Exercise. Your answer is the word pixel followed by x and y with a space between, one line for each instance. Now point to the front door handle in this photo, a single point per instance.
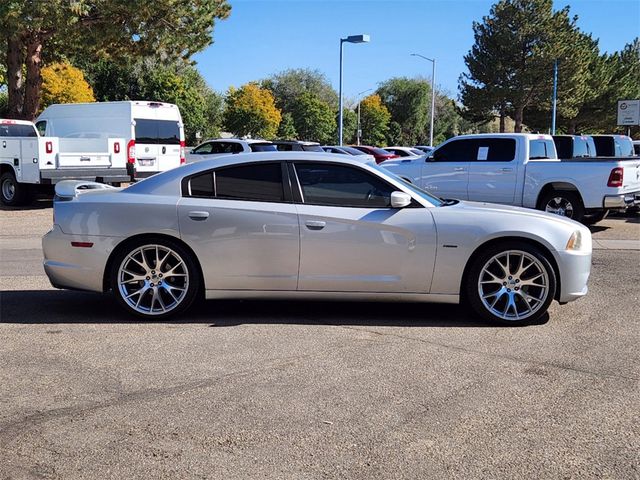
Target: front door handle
pixel 198 216
pixel 315 224
pixel 458 169
pixel 506 169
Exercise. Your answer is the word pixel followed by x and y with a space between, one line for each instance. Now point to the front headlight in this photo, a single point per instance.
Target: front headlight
pixel 575 241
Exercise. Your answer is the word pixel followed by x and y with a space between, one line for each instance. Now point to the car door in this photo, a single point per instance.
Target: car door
pixel 242 227
pixel 351 240
pixel 446 173
pixel 493 171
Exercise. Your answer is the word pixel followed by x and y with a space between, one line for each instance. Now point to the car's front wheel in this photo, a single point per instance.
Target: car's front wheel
pixel 155 278
pixel 511 283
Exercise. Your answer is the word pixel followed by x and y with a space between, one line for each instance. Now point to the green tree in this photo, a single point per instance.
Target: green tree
pixel 64 83
pixel 374 119
pixel 42 31
pixel 511 61
pixel 173 82
pixel 288 85
pixel 313 118
pixel 409 102
pixel 251 110
pixel 287 129
pixel 349 126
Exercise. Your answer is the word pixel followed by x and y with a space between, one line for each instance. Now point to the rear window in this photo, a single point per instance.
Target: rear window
pixel 604 146
pixel 624 147
pixel 580 147
pixel 263 147
pixel 17 130
pixel 564 146
pixel 541 149
pixel 158 132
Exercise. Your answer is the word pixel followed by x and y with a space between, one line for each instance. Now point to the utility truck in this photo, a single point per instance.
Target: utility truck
pixel 30 163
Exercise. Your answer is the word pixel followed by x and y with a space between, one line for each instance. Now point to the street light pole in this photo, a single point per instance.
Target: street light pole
pixel 359 132
pixel 349 39
pixel 433 92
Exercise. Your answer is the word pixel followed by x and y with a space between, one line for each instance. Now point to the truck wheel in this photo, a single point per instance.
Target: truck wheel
pixel 594 218
pixel 12 193
pixel 564 203
pixel 511 283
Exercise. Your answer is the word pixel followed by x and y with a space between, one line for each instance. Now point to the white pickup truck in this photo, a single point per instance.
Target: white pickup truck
pixel 524 170
pixel 29 162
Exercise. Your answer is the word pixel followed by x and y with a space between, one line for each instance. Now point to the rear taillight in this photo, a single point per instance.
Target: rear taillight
pixel 131 151
pixel 615 177
pixel 183 157
pixel 48 146
pixel 116 147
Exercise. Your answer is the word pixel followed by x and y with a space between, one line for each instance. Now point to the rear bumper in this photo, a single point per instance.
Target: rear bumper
pixel 102 175
pixel 76 268
pixel 622 200
pixel 575 268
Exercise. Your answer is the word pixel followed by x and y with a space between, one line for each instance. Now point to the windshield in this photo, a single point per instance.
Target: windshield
pixel 432 199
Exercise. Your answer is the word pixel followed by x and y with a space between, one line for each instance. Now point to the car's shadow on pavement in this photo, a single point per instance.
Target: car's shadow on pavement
pixel 69 307
pixel 36 204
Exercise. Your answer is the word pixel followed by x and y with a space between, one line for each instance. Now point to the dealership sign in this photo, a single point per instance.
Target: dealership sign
pixel 628 112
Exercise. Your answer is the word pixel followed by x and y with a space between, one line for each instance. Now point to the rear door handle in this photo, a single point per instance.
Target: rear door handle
pixel 506 169
pixel 198 216
pixel 458 169
pixel 315 224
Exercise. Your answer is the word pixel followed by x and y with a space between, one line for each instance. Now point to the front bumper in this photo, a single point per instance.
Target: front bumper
pixel 622 200
pixel 77 268
pixel 574 268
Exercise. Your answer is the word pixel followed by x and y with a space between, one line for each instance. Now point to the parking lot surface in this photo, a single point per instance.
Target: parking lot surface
pixel 315 390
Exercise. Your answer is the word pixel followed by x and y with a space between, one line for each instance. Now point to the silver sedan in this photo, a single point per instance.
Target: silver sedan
pixel 305 225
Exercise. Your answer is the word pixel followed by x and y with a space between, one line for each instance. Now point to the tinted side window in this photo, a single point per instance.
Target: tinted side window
pixel 312 148
pixel 284 147
pixel 262 147
pixel 494 149
pixel 41 126
pixel 202 149
pixel 262 182
pixel 457 151
pixel 201 185
pixel 342 186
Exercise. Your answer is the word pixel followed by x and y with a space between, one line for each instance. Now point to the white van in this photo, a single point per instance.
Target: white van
pixel 153 130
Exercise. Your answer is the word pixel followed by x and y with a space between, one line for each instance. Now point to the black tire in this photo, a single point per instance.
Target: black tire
pixel 593 218
pixel 165 292
pixel 12 193
pixel 473 287
pixel 565 197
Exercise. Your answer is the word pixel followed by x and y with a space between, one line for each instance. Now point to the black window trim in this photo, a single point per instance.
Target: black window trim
pixel 286 183
pixel 299 195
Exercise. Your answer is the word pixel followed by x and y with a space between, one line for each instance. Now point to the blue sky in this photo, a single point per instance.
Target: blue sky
pixel 262 37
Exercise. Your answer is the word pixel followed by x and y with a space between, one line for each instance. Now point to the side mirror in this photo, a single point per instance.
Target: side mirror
pixel 400 199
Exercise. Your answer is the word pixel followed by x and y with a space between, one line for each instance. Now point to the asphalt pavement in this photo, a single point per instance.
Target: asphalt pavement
pixel 244 389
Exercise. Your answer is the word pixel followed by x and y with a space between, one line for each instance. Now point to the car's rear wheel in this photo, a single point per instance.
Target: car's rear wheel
pixel 155 278
pixel 511 283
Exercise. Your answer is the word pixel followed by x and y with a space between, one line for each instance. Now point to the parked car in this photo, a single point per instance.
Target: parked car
pixel 405 152
pixel 574 146
pixel 306 225
pixel 379 154
pixel 613 146
pixel 153 131
pixel 425 148
pixel 297 146
pixel 345 150
pixel 30 163
pixel 228 146
pixel 523 169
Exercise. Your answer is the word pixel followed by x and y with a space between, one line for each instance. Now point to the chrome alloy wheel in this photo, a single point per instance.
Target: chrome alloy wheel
pixel 8 189
pixel 153 279
pixel 559 206
pixel 513 285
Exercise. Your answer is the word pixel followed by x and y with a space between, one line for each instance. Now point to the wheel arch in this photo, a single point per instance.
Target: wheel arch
pixel 106 275
pixel 6 168
pixel 559 186
pixel 496 241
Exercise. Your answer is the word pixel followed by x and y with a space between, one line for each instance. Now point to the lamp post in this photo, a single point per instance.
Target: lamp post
pixel 433 92
pixel 349 39
pixel 359 132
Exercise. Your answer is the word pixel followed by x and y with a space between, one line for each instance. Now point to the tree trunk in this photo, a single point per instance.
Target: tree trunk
pixel 15 60
pixel 503 126
pixel 518 114
pixel 572 126
pixel 33 85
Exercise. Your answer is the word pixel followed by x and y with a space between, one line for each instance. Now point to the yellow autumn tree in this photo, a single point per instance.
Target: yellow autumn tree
pixel 64 83
pixel 251 110
pixel 375 118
